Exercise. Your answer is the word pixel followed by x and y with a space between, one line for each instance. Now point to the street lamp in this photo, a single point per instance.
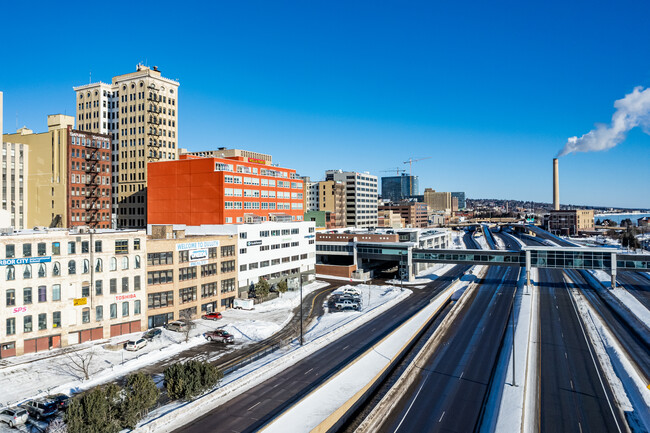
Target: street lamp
pixel 301 330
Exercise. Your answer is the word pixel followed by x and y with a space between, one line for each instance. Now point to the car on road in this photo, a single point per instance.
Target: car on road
pixel 14 416
pixel 61 400
pixel 347 304
pixel 212 316
pixel 135 345
pixel 219 335
pixel 40 409
pixel 177 326
pixel 152 333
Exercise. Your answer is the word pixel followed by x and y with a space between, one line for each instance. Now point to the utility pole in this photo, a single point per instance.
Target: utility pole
pixel 512 314
pixel 301 335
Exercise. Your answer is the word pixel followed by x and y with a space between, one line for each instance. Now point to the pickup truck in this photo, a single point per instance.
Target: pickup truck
pixel 347 303
pixel 219 335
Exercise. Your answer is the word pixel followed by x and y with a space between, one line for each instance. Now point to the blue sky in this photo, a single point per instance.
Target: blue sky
pixel 489 90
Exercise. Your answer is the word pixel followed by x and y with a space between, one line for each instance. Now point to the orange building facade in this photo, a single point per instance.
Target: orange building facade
pixel 195 190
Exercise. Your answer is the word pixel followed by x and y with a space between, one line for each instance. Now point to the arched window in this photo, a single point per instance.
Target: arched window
pixel 137 262
pixel 56 269
pixel 85 315
pixel 125 263
pixel 42 271
pixel 113 264
pixel 72 267
pixel 11 273
pixel 99 266
pixel 86 266
pixel 27 272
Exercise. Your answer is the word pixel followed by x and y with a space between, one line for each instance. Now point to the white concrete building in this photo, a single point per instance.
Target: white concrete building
pixel 63 287
pixel 13 183
pixel 362 197
pixel 273 250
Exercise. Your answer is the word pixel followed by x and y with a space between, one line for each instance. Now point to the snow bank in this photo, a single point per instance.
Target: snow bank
pixel 625 297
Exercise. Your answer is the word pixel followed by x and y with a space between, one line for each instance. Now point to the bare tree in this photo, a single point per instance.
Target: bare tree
pixel 80 363
pixel 187 318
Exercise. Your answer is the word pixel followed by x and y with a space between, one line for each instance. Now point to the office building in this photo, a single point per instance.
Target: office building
pixel 398 188
pixel 414 214
pixel 63 287
pixel 437 201
pixel 14 189
pixel 67 173
pixel 389 219
pixel 139 111
pixel 461 199
pixel 223 152
pixel 361 196
pixel 188 275
pixel 310 194
pixel 196 190
pixel 570 222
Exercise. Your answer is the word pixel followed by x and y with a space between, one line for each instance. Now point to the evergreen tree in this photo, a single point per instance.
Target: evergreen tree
pixel 140 395
pixel 282 286
pixel 262 288
pixel 190 379
pixel 95 411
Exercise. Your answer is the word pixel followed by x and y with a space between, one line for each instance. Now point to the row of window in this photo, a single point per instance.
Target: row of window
pixel 167 257
pixel 189 294
pixel 273 262
pixel 188 273
pixel 121 247
pixel 27 270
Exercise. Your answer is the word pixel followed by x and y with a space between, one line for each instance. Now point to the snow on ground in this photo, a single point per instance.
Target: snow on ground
pixel 426 276
pixel 626 298
pixel 457 239
pixel 628 387
pixel 480 239
pixel 47 374
pixel 319 334
pixel 499 242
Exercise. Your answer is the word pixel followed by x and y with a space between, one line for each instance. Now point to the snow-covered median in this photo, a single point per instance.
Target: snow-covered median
pixel 626 298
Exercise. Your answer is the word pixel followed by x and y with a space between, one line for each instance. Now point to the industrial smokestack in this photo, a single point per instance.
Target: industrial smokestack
pixel 556 185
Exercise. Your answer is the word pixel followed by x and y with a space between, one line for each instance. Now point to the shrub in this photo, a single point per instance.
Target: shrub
pixel 190 379
pixel 140 395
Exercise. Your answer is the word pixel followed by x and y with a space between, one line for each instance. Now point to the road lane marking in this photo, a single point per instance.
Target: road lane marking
pixel 254 405
pixel 411 405
pixel 346 347
pixel 442 416
pixel 461 375
pixel 309 370
pixel 572 384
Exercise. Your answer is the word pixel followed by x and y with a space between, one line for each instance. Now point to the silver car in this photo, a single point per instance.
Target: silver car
pixel 134 345
pixel 14 416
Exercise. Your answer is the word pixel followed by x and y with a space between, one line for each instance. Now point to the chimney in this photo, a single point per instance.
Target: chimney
pixel 556 185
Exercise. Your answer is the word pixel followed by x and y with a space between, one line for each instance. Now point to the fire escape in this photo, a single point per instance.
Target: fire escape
pixel 153 123
pixel 93 182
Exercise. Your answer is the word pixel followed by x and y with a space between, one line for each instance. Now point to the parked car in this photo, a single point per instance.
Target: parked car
pixel 40 409
pixel 152 333
pixel 220 336
pixel 61 400
pixel 347 303
pixel 134 345
pixel 212 316
pixel 14 416
pixel 177 326
pixel 352 291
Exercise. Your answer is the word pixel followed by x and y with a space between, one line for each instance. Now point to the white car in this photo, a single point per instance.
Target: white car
pixel 14 416
pixel 134 345
pixel 344 305
pixel 351 291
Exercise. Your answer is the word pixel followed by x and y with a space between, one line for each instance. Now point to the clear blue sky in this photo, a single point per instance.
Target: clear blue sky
pixel 489 90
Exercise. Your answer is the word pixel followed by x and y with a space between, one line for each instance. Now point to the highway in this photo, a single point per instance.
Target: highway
pixel 251 410
pixel 638 284
pixel 574 394
pixel 449 393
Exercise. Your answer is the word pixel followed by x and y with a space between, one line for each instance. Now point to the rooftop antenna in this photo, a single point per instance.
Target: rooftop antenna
pixel 90 77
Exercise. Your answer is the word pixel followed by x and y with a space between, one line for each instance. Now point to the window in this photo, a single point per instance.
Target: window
pixel 27 295
pixel 98 246
pixel 113 311
pixel 85 315
pixel 208 289
pixel 41 249
pixel 125 309
pixel 160 300
pixel 125 263
pixel 56 292
pixel 136 244
pixel 228 251
pixel 136 307
pixel 209 269
pixel 243 235
pixel 243 250
pixel 72 267
pixel 10 251
pixel 187 294
pixel 212 253
pixel 187 273
pixel 85 290
pixel 113 264
pixel 85 247
pixel 165 258
pixel 56 269
pixel 27 272
pixel 42 321
pixel 11 297
pixel 160 277
pixel 85 266
pixel 72 248
pixel 228 285
pixel 27 324
pixel 137 262
pixel 122 246
pixel 10 273
pixel 56 248
pixel 99 265
pixel 99 287
pixel 264 264
pixel 228 266
pixel 125 284
pixel 56 319
pixel 99 313
pixel 113 286
pixel 42 271
pixel 11 326
pixel 136 282
pixel 27 250
pixel 42 294
pixel 242 268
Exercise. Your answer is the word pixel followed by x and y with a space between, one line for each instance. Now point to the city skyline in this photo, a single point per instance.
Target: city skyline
pixel 364 89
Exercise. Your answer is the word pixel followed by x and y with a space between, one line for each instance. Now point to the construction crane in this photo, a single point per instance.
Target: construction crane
pixel 397 171
pixel 411 161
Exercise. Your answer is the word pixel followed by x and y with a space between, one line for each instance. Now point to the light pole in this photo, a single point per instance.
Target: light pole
pixel 512 314
pixel 300 276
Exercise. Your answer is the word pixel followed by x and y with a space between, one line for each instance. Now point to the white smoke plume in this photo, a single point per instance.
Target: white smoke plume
pixel 631 111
